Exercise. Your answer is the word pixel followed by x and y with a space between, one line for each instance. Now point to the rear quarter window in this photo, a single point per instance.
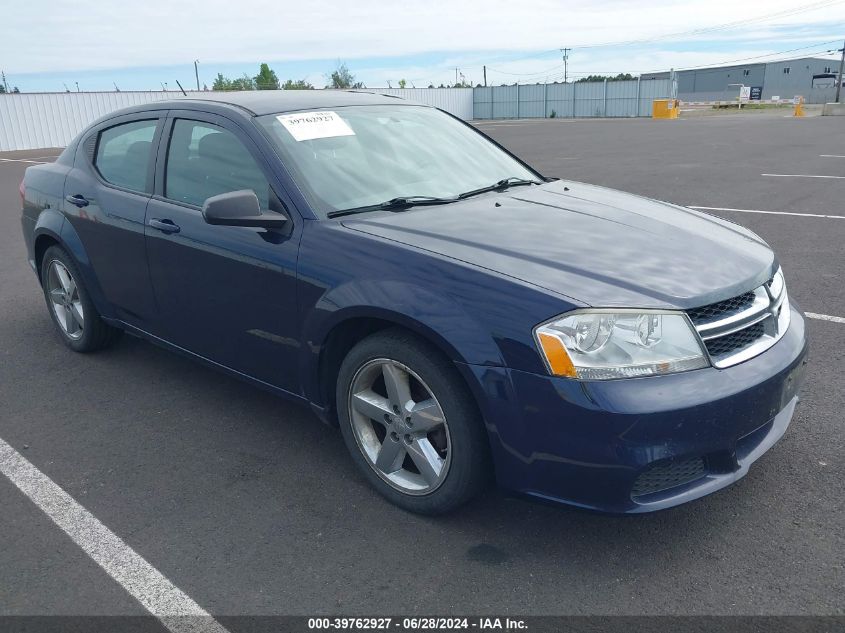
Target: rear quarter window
pixel 123 154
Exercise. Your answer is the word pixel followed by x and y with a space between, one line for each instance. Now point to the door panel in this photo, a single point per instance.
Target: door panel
pixel 226 293
pixel 108 210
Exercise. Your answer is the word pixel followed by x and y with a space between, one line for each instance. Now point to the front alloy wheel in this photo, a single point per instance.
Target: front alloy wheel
pixel 411 424
pixel 399 426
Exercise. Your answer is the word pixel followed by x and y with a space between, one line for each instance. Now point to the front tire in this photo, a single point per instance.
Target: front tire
pixel 410 423
pixel 73 313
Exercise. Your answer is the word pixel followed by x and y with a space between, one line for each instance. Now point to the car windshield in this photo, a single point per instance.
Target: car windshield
pixel 361 156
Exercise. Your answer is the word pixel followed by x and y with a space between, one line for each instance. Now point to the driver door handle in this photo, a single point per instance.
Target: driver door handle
pixel 165 226
pixel 77 200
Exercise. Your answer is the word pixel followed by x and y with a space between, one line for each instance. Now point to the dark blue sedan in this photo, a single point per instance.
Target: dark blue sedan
pixel 458 315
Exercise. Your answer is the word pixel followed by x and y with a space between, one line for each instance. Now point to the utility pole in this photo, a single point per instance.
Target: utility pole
pixel 197 73
pixel 841 68
pixel 565 52
pixel 485 76
pixel 456 76
pixel 6 86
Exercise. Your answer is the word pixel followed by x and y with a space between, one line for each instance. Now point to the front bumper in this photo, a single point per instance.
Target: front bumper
pixel 643 444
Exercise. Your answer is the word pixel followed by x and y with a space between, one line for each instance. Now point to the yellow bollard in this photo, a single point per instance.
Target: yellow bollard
pixel 799 106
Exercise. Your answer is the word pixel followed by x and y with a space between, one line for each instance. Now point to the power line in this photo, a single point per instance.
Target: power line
pixel 814 6
pixel 720 27
pixel 542 72
pixel 745 59
pixel 731 61
pixel 714 66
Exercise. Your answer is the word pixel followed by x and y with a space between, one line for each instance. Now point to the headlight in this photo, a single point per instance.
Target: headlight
pixel 606 344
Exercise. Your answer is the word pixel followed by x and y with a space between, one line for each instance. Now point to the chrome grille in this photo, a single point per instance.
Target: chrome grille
pixel 732 342
pixel 744 326
pixel 714 310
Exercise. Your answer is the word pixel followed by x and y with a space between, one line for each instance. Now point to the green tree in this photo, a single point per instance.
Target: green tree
pixel 402 83
pixel 266 78
pixel 221 83
pixel 241 83
pixel 299 84
pixel 341 78
pixel 595 78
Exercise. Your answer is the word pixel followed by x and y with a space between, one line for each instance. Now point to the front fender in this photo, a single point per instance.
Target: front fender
pixel 52 224
pixel 434 316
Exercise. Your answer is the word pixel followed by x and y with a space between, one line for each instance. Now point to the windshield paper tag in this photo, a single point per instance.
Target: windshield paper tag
pixel 305 126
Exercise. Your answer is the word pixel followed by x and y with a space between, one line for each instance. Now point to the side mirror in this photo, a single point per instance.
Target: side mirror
pixel 240 208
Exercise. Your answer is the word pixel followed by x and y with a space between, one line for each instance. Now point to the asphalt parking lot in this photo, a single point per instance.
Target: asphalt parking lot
pixel 250 506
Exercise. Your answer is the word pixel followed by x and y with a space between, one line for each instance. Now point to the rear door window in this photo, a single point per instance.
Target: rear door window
pixel 204 160
pixel 123 154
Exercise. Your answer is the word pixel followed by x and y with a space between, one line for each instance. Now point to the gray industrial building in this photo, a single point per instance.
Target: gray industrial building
pixel 813 78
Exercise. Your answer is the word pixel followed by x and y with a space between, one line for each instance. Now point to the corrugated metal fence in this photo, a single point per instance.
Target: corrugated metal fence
pixel 583 99
pixel 33 121
pixel 37 120
pixel 457 101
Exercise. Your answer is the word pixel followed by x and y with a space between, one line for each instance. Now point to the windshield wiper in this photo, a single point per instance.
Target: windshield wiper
pixel 404 202
pixel 500 186
pixel 394 204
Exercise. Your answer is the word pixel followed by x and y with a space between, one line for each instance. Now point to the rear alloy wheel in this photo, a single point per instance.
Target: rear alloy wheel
pixel 64 295
pixel 410 423
pixel 71 308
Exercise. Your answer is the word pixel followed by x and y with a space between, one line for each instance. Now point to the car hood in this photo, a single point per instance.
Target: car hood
pixel 598 246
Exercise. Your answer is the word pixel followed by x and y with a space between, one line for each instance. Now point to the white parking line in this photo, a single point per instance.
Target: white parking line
pixel 802 176
pixel 830 156
pixel 807 215
pixel 22 160
pixel 824 317
pixel 504 125
pixel 140 579
pixel 519 122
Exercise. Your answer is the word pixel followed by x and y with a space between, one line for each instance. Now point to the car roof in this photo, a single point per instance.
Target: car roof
pixel 258 102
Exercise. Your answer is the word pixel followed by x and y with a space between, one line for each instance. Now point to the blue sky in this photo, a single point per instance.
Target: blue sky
pixel 142 47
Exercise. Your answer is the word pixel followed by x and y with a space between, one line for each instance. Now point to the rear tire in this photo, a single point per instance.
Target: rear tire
pixel 70 306
pixel 411 424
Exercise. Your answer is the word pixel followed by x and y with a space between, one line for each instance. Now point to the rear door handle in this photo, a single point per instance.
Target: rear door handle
pixel 165 226
pixel 77 200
